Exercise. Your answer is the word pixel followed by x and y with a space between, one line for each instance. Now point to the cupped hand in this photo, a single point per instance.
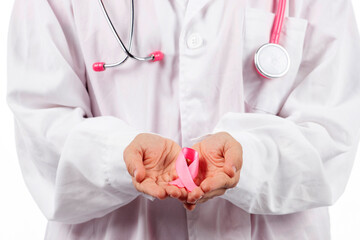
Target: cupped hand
pixel 150 160
pixel 220 159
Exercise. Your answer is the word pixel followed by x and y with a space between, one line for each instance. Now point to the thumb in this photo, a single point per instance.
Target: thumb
pixel 133 159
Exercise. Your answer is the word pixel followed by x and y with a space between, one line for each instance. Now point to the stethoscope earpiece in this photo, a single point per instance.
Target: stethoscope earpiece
pixel 157 56
pixel 99 66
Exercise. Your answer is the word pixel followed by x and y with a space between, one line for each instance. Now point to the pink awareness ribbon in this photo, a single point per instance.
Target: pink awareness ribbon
pixel 186 173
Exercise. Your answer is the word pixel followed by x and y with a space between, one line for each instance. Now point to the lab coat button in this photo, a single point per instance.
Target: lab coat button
pixel 194 41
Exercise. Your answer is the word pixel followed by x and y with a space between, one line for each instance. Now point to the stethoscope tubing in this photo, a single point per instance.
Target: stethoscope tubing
pixel 111 25
pixel 278 22
pixel 113 29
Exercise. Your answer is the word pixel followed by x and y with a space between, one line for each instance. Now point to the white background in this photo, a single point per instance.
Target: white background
pixel 20 218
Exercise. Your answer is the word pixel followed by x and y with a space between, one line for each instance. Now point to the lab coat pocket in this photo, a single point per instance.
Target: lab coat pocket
pixel 268 95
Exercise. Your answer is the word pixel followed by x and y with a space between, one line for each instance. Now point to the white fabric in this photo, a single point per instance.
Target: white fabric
pixel 299 133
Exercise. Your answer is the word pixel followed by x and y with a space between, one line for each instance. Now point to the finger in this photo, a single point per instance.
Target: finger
pixel 208 196
pixel 133 159
pixel 148 186
pixel 212 194
pixel 173 191
pixel 184 194
pixel 233 158
pixel 219 181
pixel 195 195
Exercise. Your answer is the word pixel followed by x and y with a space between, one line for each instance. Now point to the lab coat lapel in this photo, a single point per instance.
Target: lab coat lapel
pixel 194 6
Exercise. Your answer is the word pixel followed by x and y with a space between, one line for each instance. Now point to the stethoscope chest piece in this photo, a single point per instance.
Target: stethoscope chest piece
pixel 272 61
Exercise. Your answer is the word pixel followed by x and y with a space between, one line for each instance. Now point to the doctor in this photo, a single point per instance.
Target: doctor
pixel 97 149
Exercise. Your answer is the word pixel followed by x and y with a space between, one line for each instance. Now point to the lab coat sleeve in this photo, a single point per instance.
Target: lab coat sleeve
pixel 301 157
pixel 72 162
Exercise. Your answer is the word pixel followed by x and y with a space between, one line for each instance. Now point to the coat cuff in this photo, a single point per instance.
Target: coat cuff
pixel 116 174
pixel 242 195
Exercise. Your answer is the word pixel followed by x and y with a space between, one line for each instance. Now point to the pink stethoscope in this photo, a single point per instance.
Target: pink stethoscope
pixel 271 60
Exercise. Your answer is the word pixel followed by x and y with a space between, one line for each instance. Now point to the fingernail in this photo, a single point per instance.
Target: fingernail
pixel 135 173
pixel 198 199
pixel 234 168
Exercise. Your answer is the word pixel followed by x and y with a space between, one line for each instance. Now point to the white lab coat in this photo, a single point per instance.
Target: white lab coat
pixel 299 133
